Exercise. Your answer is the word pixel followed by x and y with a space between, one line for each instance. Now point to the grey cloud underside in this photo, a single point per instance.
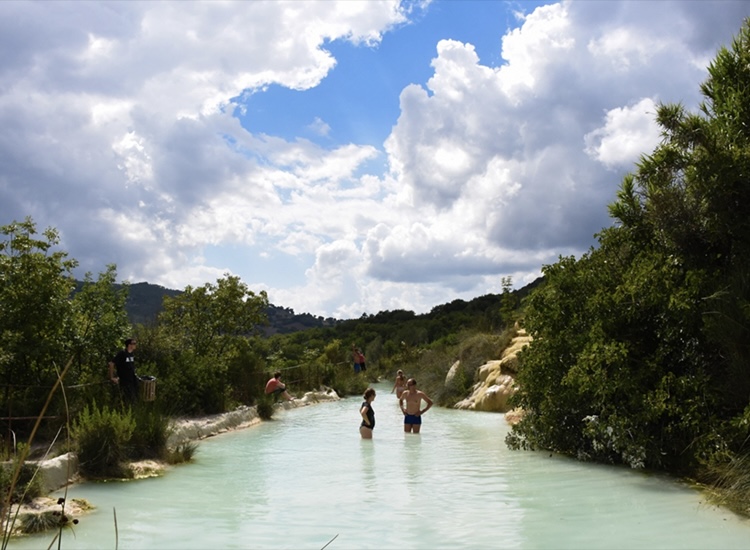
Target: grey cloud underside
pixel 443 266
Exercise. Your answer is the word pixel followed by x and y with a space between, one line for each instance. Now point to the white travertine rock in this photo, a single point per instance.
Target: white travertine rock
pixel 200 428
pixel 495 397
pixel 496 383
pixel 58 472
pixel 486 369
pixel 452 373
pixel 509 363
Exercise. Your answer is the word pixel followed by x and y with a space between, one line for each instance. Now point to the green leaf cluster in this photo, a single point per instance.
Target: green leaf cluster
pixel 44 323
pixel 641 346
pixel 203 350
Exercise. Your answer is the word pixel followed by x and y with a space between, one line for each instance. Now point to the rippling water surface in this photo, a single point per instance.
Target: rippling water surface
pixel 306 479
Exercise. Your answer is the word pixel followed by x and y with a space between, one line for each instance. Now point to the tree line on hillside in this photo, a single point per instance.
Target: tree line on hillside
pixel 145 302
pixel 641 351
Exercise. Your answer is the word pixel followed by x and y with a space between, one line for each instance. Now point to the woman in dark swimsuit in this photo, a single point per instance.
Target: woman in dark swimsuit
pixel 367 414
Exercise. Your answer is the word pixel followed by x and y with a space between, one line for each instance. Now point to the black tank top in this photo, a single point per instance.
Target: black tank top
pixel 370 415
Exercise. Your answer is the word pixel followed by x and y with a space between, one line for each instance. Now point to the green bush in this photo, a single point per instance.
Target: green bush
pixel 152 430
pixel 476 349
pixel 457 388
pixel 101 436
pixel 264 406
pixel 182 453
pixel 346 382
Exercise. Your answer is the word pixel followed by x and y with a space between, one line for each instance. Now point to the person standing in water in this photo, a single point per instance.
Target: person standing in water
pixel 411 405
pixel 368 414
pixel 400 385
pixel 355 358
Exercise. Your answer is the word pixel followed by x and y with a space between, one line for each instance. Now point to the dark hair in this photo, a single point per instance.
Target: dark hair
pixel 369 392
pixel 411 382
pixel 129 341
pixel 277 374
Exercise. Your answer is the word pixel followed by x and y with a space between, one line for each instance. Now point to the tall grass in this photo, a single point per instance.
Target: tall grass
pixel 184 452
pixel 730 484
pixel 7 519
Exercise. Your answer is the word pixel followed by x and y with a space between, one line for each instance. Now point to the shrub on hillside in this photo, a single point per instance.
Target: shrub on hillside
pixel 475 350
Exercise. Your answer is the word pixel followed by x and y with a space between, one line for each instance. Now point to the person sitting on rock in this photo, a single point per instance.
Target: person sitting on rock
pixel 276 387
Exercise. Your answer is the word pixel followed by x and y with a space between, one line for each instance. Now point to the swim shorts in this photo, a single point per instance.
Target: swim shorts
pixel 412 419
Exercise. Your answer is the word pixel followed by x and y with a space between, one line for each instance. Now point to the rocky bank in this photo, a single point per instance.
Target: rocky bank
pixel 496 381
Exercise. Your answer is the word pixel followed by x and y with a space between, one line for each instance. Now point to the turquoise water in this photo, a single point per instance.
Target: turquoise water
pixel 306 479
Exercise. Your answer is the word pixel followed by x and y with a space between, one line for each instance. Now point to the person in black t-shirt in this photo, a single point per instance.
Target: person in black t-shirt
pixel 122 371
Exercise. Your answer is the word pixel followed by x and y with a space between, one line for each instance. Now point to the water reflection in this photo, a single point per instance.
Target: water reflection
pixel 367 458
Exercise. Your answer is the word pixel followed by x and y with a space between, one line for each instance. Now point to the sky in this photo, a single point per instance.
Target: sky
pixel 345 157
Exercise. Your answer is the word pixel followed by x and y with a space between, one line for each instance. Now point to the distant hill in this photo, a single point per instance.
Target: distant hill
pixel 145 302
pixel 283 320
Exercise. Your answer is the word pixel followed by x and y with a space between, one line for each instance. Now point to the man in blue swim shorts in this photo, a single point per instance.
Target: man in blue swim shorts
pixel 411 405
